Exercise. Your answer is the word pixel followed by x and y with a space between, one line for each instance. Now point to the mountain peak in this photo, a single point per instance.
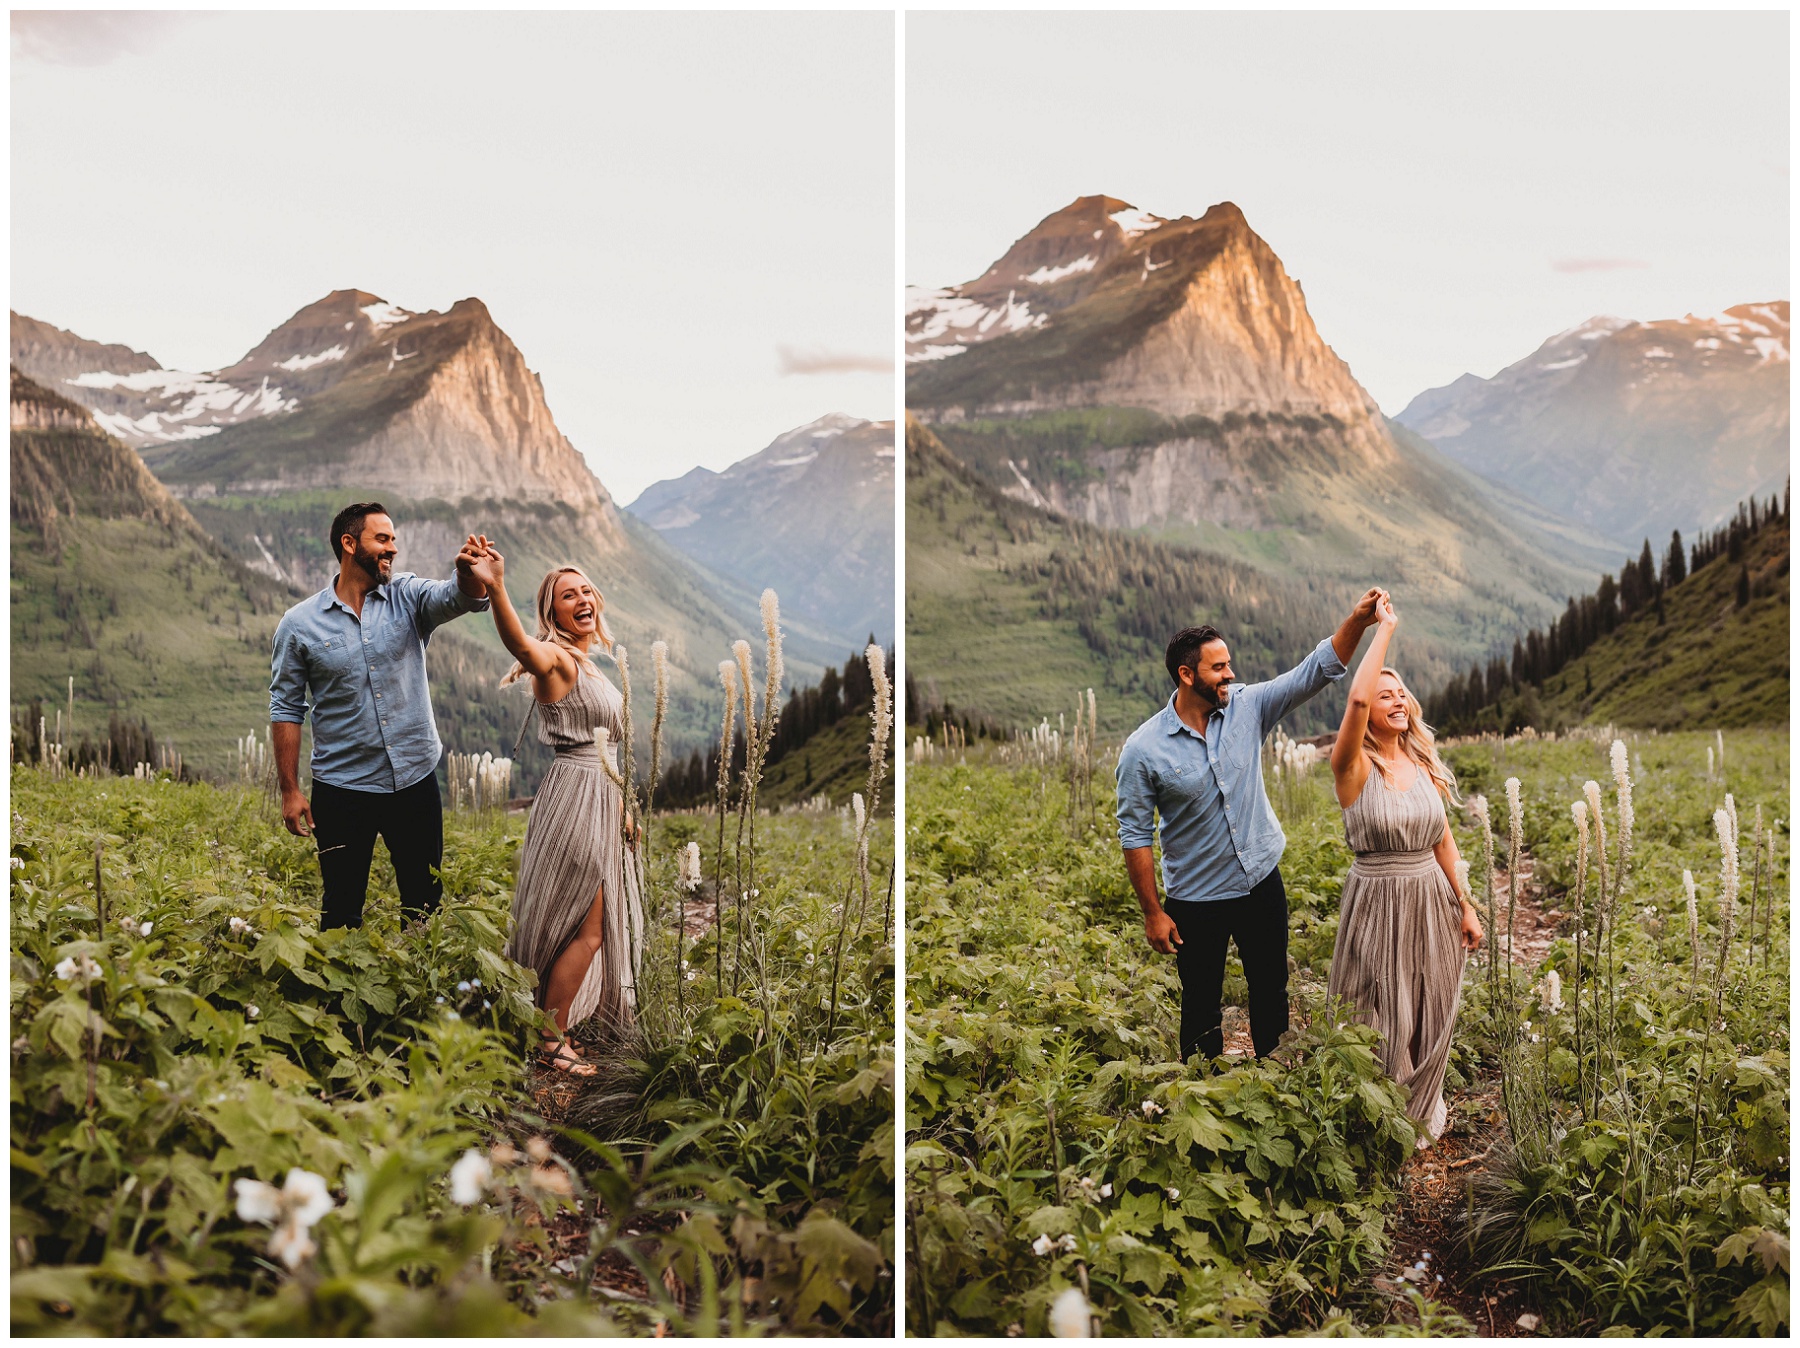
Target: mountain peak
pixel 1184 317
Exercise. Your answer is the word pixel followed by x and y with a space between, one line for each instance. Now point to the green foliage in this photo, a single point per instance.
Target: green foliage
pixel 154 1069
pixel 1009 606
pixel 1645 1188
pixel 1044 1111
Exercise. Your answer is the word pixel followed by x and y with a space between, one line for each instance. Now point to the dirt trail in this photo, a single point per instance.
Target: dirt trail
pixel 1434 1185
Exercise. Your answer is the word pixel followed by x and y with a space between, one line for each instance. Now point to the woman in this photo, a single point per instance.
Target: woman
pixel 1406 920
pixel 577 912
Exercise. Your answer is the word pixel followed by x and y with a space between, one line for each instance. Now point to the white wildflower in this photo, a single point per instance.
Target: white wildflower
pixel 1042 1246
pixel 1728 867
pixel 1151 1108
pixel 1070 1315
pixel 146 928
pixel 538 1149
pixel 1621 768
pixel 1591 790
pixel 856 806
pixel 77 966
pixel 1550 996
pixel 810 959
pixel 1174 1194
pixel 689 866
pixel 469 1178
pixel 128 926
pixel 238 927
pixel 1693 916
pixel 1462 878
pixel 1066 1244
pixel 294 1209
pixel 1106 1191
pixel 1515 816
pixel 252 1011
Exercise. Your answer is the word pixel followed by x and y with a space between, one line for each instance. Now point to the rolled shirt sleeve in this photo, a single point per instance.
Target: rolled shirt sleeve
pixel 1281 694
pixel 287 677
pixel 436 602
pixel 1136 799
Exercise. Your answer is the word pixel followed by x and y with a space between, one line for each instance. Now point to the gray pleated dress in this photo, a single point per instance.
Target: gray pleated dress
pixel 573 851
pixel 1399 953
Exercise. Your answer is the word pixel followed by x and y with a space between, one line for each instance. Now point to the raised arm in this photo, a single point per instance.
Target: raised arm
pixel 1349 765
pixel 1325 664
pixel 540 659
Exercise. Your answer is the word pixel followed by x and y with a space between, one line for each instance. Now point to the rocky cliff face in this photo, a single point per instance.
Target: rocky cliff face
pixel 1170 379
pixel 433 406
pixel 64 467
pixel 811 515
pixel 1184 317
pixel 1633 428
pixel 47 355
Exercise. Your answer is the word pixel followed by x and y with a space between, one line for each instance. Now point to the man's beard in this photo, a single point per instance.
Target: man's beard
pixel 1215 694
pixel 371 564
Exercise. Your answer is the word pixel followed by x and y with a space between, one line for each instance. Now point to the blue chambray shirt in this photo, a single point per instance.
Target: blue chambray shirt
pixel 1220 837
pixel 371 708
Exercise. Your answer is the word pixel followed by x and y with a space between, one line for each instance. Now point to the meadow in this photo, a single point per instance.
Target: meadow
pixel 227 1121
pixel 1635 1179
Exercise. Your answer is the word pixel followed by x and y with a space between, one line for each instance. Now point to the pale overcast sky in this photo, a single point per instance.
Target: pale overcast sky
pixel 655 207
pixel 1450 189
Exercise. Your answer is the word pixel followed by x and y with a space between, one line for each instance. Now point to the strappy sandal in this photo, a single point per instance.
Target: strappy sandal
pixel 565 1058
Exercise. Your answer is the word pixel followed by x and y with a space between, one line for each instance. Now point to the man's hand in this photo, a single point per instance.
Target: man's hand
pixel 1365 614
pixel 472 552
pixel 1161 932
pixel 296 813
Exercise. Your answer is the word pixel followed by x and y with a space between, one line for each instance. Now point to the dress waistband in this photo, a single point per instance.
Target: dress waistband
pixel 588 753
pixel 1395 863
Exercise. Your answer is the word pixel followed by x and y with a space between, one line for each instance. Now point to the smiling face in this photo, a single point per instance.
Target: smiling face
pixel 1212 676
pixel 374 552
pixel 575 605
pixel 1388 710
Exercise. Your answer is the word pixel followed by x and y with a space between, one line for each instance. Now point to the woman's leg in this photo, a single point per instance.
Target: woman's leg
pixel 571 966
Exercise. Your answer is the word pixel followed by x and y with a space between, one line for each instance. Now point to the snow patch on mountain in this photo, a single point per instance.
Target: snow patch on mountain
pixel 384 315
pixel 307 362
pixel 1044 276
pixel 1135 222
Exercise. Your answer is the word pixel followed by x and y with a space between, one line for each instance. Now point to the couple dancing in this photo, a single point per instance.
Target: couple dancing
pixel 1406 919
pixel 358 649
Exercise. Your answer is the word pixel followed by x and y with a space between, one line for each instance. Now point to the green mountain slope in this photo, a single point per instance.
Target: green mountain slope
pixel 1710 664
pixel 1011 610
pixel 113 583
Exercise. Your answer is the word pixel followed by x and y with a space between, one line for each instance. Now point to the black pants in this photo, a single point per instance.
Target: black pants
pixel 410 821
pixel 1259 924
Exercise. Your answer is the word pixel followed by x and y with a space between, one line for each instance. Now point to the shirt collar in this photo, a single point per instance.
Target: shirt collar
pixel 328 596
pixel 1172 724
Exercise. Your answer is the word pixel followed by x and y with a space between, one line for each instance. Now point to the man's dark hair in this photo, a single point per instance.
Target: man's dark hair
pixel 1184 649
pixel 349 520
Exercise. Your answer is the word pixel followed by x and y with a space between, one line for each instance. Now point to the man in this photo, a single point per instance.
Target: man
pixel 359 647
pixel 1198 763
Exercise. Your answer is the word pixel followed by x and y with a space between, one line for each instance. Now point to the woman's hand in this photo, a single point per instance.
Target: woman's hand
pixel 488 567
pixel 1471 927
pixel 631 828
pixel 1384 612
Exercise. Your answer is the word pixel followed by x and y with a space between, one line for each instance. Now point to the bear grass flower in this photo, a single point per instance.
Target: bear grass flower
pixel 1070 1315
pixel 293 1210
pixel 76 966
pixel 470 1177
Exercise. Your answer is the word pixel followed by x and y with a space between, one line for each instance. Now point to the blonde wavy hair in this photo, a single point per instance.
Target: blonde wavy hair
pixel 548 629
pixel 1417 742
